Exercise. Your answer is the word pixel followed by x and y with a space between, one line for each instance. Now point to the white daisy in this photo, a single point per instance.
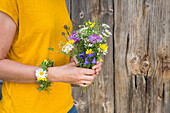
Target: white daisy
pixel 67 48
pixel 108 32
pixel 104 34
pixel 40 73
pixel 83 29
pixel 99 50
pixel 101 36
pixel 90 45
pixel 105 52
pixel 105 26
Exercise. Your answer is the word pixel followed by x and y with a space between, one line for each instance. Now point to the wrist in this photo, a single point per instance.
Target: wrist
pixel 56 74
pixel 42 75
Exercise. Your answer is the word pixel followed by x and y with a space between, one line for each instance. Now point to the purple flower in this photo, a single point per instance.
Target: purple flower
pixel 95 38
pixel 82 55
pixel 86 61
pixel 74 36
pixel 90 55
pixel 94 61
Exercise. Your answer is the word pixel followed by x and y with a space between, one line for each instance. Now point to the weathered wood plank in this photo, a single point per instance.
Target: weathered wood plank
pixel 141 53
pixel 98 98
pixel 142 56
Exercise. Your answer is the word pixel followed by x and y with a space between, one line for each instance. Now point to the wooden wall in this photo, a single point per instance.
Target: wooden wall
pixel 136 71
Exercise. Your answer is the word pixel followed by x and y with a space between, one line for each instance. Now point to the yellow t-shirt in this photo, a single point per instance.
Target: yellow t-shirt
pixel 40 24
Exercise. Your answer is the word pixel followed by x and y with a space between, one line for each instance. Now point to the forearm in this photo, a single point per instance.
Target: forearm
pixel 19 73
pixel 16 72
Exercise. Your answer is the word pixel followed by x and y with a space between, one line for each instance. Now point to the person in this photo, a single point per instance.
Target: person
pixel 27 29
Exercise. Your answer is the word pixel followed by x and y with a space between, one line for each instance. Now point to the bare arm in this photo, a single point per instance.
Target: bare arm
pixel 10 70
pixel 16 72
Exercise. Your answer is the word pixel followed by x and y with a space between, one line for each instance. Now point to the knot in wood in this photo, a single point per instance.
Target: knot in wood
pixel 148 4
pixel 166 68
pixel 134 59
pixel 145 64
pixel 81 14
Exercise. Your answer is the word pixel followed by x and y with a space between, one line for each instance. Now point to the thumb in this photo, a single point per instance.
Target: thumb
pixel 74 59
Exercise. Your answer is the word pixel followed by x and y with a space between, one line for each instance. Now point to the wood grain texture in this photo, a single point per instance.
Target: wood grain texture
pixel 98 98
pixel 142 59
pixel 136 72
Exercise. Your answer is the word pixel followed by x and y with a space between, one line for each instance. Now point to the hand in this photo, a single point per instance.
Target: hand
pixel 74 59
pixel 72 74
pixel 97 67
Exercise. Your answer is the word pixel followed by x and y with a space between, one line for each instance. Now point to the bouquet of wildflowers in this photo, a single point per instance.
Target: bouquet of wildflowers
pixel 87 44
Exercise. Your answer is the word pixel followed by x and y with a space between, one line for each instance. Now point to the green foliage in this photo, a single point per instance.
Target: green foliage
pixel 44 85
pixel 89 36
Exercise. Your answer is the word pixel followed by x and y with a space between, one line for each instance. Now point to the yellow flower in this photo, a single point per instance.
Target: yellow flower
pixel 104 47
pixel 38 79
pixel 70 41
pixel 79 25
pixel 92 26
pixel 44 79
pixel 86 23
pixel 90 22
pixel 100 60
pixel 45 60
pixel 89 51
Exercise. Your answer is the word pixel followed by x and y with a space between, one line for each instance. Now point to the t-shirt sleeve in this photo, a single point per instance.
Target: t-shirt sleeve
pixel 10 7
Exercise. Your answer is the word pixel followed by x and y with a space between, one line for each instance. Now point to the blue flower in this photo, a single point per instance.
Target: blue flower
pixel 86 61
pixel 94 61
pixel 63 33
pixel 82 55
pixel 65 26
pixel 90 55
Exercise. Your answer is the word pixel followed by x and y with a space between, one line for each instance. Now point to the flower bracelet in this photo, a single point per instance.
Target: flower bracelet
pixel 41 75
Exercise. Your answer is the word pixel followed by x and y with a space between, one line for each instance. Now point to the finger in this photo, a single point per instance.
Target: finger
pixel 97 65
pixel 73 64
pixel 86 71
pixel 98 70
pixel 85 84
pixel 94 75
pixel 74 59
pixel 87 78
